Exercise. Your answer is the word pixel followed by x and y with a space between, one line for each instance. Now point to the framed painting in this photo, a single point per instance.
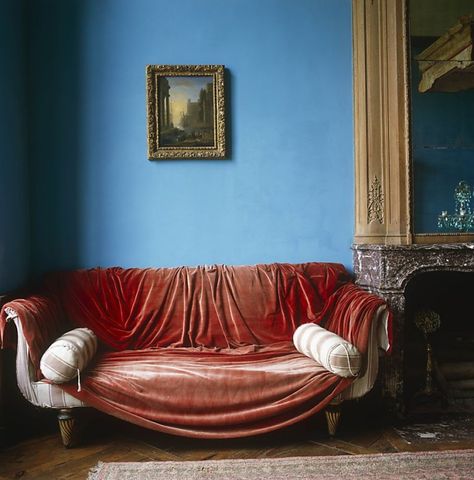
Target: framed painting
pixel 185 110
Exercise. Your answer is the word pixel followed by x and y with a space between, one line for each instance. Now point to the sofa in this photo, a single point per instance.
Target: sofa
pixel 204 352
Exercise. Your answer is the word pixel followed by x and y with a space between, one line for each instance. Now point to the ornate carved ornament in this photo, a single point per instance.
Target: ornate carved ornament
pixel 375 202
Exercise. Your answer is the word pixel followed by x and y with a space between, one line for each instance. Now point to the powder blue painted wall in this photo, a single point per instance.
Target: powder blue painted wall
pixel 285 193
pixel 14 216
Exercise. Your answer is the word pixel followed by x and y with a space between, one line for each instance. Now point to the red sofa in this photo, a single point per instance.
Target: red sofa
pixel 203 352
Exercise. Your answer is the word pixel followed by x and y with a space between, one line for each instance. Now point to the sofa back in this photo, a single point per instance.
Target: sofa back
pixel 209 306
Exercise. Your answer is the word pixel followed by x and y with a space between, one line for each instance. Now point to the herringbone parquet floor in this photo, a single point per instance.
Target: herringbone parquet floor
pixel 106 439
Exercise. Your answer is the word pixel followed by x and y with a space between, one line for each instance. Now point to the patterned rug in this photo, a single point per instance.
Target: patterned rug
pixel 446 465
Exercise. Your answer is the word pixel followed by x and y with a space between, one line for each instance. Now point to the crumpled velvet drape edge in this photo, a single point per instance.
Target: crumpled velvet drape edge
pixel 236 431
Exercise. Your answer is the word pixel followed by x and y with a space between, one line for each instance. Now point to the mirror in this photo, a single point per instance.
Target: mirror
pixel 441 34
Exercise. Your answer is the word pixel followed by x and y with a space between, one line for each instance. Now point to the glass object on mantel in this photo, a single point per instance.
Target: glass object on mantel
pixel 462 219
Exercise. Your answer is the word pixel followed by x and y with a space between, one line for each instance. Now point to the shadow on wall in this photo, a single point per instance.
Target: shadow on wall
pixel 54 141
pixel 14 215
pixel 56 96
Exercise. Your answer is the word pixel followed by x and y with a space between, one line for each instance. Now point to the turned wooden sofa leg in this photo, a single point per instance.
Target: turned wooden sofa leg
pixel 67 424
pixel 333 417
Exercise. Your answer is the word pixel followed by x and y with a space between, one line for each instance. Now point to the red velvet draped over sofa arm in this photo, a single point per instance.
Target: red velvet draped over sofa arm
pixel 349 313
pixel 42 321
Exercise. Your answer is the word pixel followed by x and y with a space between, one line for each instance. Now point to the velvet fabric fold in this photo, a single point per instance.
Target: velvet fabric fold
pixel 209 394
pixel 216 306
pixel 205 351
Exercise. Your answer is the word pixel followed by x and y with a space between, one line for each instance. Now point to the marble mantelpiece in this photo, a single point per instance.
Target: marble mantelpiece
pixel 386 271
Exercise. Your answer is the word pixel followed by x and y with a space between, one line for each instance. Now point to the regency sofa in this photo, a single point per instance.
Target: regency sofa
pixel 205 351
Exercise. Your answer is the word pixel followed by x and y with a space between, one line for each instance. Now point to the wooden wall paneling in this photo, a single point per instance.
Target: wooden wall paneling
pixel 382 168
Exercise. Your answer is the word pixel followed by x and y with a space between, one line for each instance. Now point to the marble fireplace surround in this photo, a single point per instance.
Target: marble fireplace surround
pixel 386 271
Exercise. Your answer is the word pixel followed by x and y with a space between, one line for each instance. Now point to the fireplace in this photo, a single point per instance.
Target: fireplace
pixel 445 300
pixel 404 276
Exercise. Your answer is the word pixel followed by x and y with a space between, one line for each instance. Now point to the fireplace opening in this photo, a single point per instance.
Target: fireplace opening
pixel 439 341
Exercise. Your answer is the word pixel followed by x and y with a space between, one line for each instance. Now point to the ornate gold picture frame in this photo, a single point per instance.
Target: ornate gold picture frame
pixel 185 109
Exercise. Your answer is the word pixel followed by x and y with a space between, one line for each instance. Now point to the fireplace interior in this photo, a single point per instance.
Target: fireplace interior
pixel 448 298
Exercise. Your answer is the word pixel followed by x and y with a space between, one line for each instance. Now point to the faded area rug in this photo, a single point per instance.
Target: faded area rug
pixel 445 465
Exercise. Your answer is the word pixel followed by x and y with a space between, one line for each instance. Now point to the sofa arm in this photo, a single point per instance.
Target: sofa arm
pixel 350 312
pixel 378 341
pixel 39 321
pixel 364 320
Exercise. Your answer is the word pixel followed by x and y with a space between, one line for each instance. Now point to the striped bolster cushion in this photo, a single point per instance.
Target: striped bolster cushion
pixel 68 355
pixel 328 349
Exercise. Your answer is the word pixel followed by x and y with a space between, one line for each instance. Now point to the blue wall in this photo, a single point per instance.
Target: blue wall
pixel 442 147
pixel 284 194
pixel 14 216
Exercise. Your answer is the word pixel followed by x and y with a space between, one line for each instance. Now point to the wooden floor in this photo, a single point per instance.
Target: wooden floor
pixel 106 439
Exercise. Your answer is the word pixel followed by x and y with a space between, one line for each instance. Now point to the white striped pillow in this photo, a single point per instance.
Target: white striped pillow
pixel 328 349
pixel 69 355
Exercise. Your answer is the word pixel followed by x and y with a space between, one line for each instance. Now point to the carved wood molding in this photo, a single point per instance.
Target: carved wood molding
pixel 375 202
pixel 382 166
pixel 447 65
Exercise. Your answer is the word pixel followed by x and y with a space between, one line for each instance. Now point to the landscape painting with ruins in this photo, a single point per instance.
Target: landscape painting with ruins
pixel 186 111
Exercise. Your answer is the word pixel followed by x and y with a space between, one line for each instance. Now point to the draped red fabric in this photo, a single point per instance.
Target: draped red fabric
pixel 206 351
pixel 216 306
pixel 42 322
